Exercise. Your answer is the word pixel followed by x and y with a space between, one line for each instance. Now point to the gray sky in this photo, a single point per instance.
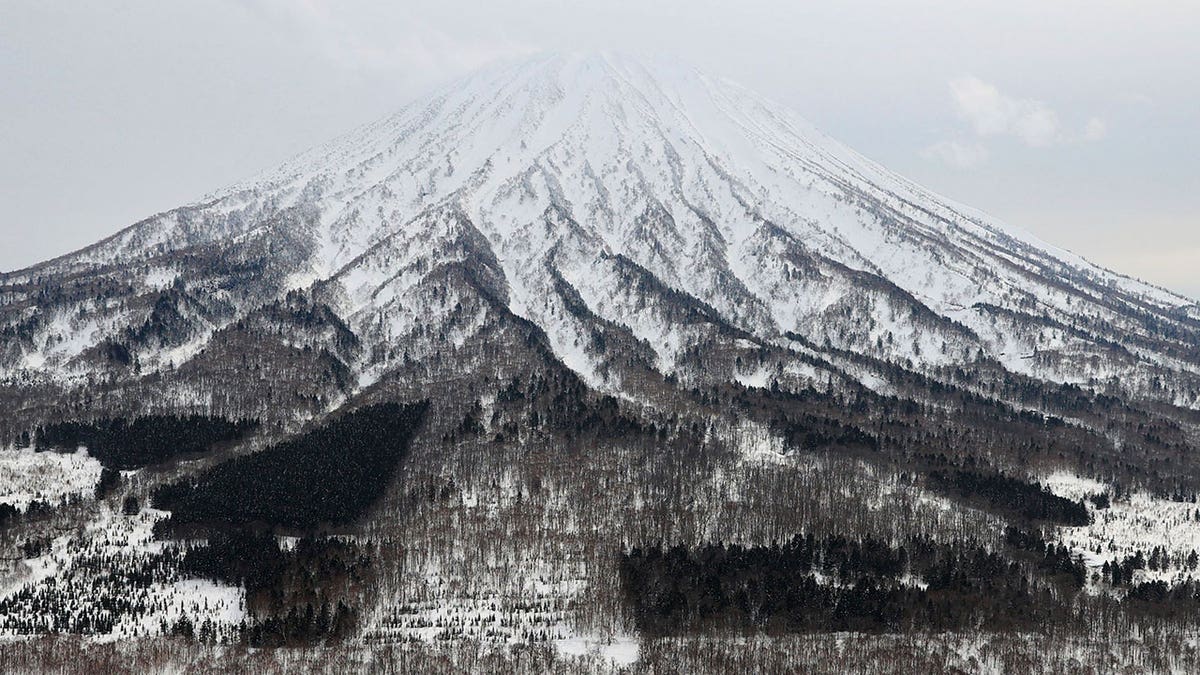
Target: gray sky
pixel 1077 120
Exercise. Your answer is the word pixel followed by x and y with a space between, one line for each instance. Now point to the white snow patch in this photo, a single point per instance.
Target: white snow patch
pixel 159 278
pixel 1132 523
pixel 620 650
pixel 27 475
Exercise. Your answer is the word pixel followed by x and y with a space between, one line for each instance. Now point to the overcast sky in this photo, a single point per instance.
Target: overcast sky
pixel 1076 120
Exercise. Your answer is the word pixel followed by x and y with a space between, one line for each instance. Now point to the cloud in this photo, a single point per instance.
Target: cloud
pixel 1095 130
pixel 956 154
pixel 387 38
pixel 991 114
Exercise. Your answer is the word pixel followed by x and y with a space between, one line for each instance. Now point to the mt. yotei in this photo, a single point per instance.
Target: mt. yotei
pixel 589 362
pixel 565 179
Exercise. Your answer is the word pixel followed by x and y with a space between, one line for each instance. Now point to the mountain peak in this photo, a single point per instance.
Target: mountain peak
pixel 580 170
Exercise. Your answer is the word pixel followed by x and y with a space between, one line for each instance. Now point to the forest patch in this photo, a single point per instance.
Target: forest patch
pixel 123 444
pixel 330 475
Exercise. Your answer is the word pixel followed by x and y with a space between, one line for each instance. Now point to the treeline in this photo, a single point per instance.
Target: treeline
pixel 122 444
pixel 37 509
pixel 833 584
pixel 301 627
pixel 548 402
pixel 73 601
pixel 329 475
pixel 1121 572
pixel 1013 496
pixel 1053 560
pixel 275 577
pixel 296 595
pixel 1164 600
pixel 982 407
pixel 297 627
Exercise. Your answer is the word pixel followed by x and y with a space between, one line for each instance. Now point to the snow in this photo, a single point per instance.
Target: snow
pixel 652 190
pixel 621 651
pixel 754 441
pixel 1070 486
pixel 159 278
pixel 38 569
pixel 77 565
pixel 759 378
pixel 716 191
pixel 27 476
pixel 1135 522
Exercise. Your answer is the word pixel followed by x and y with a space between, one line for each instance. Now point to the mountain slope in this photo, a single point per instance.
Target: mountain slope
pixel 565 166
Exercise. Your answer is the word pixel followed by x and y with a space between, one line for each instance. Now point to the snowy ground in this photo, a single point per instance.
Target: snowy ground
pixel 501 619
pixel 85 569
pixel 1132 523
pixel 621 651
pixel 27 476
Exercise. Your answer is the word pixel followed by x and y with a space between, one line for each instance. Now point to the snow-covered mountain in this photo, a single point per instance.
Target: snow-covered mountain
pixel 608 201
pixel 575 355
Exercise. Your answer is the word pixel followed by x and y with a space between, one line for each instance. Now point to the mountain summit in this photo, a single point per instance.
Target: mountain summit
pixel 604 193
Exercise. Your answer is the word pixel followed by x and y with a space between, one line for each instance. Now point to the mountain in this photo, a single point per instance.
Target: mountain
pixel 565 175
pixel 615 259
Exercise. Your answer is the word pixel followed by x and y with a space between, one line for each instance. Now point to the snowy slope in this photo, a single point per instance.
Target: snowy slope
pixel 638 188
